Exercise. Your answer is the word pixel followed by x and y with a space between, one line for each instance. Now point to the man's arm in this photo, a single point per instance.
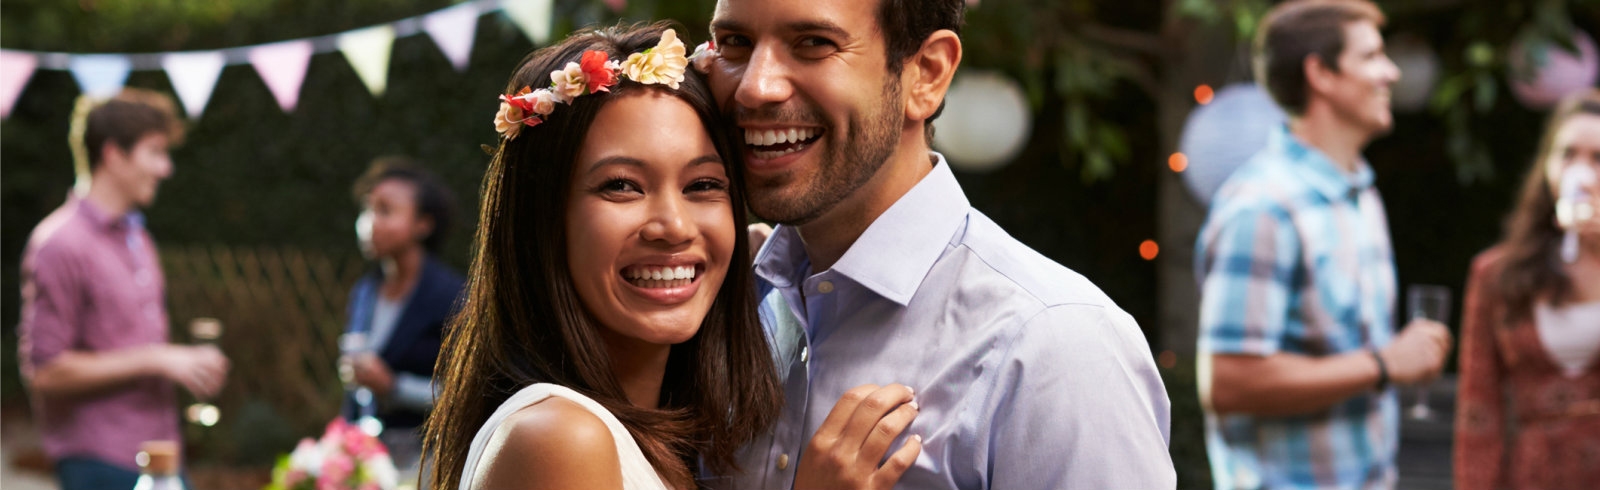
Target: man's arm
pixel 77 373
pixel 50 327
pixel 1080 405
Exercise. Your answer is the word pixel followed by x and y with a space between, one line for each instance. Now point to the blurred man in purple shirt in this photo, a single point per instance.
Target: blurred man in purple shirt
pixel 93 330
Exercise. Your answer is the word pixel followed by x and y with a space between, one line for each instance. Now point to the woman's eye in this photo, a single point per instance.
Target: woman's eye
pixel 707 185
pixel 618 186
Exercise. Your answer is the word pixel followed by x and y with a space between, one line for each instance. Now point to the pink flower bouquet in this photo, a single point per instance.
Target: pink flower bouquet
pixel 343 459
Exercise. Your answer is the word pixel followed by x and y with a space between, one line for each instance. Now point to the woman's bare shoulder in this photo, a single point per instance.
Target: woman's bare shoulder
pixel 555 443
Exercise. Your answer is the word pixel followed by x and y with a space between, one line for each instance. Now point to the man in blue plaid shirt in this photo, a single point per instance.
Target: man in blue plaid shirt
pixel 1297 348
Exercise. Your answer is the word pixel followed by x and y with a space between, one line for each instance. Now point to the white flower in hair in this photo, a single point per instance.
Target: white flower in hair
pixel 568 83
pixel 663 64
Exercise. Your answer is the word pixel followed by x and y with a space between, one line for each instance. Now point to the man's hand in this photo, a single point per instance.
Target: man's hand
pixel 1418 353
pixel 845 451
pixel 200 369
pixel 371 372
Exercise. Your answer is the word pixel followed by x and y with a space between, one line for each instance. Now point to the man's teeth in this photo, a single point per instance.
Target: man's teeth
pixel 777 136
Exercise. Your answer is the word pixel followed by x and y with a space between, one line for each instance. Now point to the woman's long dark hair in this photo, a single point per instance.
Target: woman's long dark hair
pixel 1531 269
pixel 522 321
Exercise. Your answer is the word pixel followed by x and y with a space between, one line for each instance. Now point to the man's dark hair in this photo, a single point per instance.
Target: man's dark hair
pixel 434 199
pixel 907 23
pixel 1296 29
pixel 124 120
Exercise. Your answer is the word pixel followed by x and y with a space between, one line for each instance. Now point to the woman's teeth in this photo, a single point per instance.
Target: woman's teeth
pixel 660 277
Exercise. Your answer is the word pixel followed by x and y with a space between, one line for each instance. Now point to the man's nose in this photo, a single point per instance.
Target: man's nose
pixel 765 79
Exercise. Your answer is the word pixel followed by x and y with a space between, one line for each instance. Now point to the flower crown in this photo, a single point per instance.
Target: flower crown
pixel 595 72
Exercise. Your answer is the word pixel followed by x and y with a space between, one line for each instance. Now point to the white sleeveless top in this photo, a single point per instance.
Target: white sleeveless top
pixel 637 473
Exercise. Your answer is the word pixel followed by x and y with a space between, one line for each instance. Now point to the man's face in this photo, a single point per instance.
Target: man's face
pixel 138 171
pixel 1360 90
pixel 808 83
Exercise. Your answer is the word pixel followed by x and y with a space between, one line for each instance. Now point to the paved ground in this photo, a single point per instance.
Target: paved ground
pixel 20 444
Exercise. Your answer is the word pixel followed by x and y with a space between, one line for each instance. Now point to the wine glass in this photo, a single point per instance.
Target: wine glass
pixel 1426 302
pixel 203 331
pixel 351 346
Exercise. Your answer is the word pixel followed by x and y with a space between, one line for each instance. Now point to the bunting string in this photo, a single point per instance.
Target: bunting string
pixel 281 64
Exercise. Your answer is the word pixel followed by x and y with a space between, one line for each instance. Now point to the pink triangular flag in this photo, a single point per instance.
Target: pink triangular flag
pixel 453 29
pixel 194 76
pixel 15 70
pixel 283 67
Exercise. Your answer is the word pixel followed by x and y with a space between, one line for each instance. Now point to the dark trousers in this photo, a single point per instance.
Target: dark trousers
pixel 82 473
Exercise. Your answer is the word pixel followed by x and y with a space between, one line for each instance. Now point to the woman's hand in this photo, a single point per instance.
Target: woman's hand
pixel 371 372
pixel 845 451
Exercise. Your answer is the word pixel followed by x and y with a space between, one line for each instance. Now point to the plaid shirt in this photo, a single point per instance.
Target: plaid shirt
pixel 1295 258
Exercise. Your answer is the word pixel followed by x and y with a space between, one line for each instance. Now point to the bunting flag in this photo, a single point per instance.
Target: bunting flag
pixel 532 16
pixel 194 76
pixel 283 66
pixel 368 52
pixel 453 30
pixel 100 75
pixel 15 70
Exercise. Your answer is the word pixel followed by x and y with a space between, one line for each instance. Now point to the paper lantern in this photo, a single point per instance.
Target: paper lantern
pixel 1220 136
pixel 1543 72
pixel 985 123
pixel 1419 70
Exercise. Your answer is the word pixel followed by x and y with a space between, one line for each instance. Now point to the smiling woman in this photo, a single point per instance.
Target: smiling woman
pixel 609 337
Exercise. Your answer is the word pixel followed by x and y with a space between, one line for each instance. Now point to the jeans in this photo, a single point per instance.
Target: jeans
pixel 81 473
pixel 84 473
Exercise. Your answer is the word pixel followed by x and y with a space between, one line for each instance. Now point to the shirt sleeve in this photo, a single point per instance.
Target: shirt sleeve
pixel 413 392
pixel 51 309
pixel 1480 436
pixel 1247 278
pixel 1081 406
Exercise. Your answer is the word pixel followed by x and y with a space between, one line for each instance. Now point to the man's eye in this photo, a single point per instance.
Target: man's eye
pixel 815 47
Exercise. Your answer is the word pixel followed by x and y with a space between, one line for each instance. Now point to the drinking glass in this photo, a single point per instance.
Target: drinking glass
pixel 1426 302
pixel 203 331
pixel 352 345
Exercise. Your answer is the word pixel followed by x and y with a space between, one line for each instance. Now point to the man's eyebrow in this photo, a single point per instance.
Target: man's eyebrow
pixel 796 26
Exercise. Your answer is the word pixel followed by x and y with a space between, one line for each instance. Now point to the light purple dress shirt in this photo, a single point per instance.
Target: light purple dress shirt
pixel 1027 375
pixel 92 283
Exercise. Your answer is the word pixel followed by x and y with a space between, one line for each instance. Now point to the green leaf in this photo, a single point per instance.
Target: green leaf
pixel 1077 123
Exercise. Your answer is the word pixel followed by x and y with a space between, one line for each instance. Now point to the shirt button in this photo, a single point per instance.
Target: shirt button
pixel 805 354
pixel 825 287
pixel 783 462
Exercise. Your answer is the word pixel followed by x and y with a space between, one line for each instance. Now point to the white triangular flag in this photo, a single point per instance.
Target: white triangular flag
pixel 368 52
pixel 100 75
pixel 532 16
pixel 283 67
pixel 452 29
pixel 15 70
pixel 194 76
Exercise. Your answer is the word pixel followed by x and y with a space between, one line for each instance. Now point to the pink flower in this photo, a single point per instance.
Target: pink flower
pixel 336 471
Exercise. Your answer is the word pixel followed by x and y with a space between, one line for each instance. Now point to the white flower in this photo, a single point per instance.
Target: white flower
pixel 568 83
pixel 380 469
pixel 664 64
pixel 307 457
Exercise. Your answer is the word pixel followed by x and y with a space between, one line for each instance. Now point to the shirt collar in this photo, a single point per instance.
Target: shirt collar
pixel 1317 169
pixel 896 251
pixel 130 220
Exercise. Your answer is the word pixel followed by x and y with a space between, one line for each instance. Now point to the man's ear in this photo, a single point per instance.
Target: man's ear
pixel 111 155
pixel 1319 77
pixel 927 74
pixel 423 227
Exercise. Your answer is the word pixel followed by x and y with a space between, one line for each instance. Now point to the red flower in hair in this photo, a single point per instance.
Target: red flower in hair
pixel 598 71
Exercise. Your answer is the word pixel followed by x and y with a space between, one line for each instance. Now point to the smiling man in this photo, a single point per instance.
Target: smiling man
pixel 1025 374
pixel 1297 350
